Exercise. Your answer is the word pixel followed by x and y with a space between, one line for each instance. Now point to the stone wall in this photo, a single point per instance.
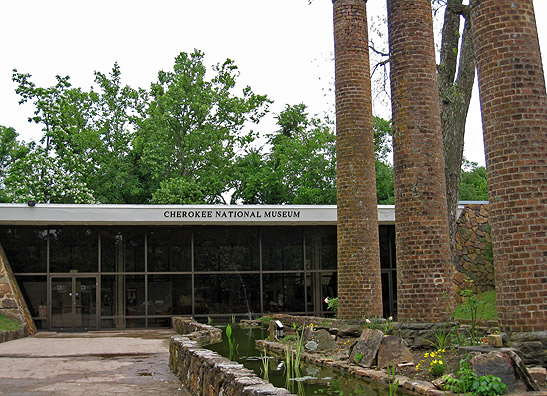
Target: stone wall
pixel 205 372
pixel 473 259
pixel 12 303
pixel 201 333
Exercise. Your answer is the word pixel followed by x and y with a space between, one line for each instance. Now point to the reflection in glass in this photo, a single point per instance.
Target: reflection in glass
pixel 122 295
pixel 282 248
pixel 283 292
pixel 73 248
pixel 169 249
pixel 61 303
pixel 34 290
pixel 74 303
pixel 170 295
pixel 321 248
pixel 122 250
pixel 26 248
pixel 227 294
pixel 226 249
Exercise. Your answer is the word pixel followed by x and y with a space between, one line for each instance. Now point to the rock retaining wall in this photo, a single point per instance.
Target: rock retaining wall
pixel 473 250
pixel 12 303
pixel 207 373
pixel 10 335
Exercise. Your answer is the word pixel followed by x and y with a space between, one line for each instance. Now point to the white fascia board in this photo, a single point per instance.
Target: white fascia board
pixel 55 214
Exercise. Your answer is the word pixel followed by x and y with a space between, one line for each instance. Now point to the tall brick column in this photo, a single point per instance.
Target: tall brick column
pixel 424 273
pixel 359 276
pixel 514 115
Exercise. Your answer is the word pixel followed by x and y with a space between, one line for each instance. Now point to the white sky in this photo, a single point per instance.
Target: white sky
pixel 283 48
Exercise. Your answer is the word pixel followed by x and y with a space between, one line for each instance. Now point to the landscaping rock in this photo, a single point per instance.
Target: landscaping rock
pixel 324 341
pixel 500 365
pixel 393 350
pixel 349 331
pixel 363 352
pixel 533 352
pixel 522 372
pixel 539 374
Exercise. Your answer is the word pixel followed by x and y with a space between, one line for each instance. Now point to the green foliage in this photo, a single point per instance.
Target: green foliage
pixel 8 324
pixel 488 307
pixel 437 368
pixel 185 140
pixel 392 382
pixel 488 385
pixel 231 346
pixel 299 168
pixel 473 185
pixel 442 338
pixel 464 380
pixel 472 308
pixel 265 319
pixel 194 129
pixel 332 304
pixel 358 357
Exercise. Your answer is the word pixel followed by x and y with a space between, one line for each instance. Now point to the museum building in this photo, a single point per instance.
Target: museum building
pixel 86 267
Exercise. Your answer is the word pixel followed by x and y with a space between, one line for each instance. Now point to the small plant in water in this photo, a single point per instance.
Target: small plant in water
pixel 265 359
pixel 230 341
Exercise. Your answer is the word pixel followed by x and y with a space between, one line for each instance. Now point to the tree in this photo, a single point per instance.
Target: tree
pixel 298 165
pixel 194 130
pixel 91 129
pixel 455 75
pixel 11 150
pixel 473 185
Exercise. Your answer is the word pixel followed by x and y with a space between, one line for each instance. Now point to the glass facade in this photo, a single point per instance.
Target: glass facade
pixel 81 278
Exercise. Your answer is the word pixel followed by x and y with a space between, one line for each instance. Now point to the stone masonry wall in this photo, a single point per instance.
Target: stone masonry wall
pixel 12 303
pixel 473 250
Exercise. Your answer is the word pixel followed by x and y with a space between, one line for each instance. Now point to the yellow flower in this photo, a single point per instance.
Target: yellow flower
pixel 426 354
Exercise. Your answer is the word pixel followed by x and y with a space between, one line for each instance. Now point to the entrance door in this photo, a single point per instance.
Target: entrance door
pixel 73 303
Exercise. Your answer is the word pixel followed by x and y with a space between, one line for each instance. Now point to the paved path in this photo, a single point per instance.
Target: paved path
pixel 132 362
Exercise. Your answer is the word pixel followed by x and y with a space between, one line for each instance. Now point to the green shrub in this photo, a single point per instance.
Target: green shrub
pixel 488 385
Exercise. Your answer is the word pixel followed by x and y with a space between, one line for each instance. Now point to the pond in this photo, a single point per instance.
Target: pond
pixel 310 380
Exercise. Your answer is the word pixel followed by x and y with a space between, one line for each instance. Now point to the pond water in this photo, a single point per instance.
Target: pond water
pixel 310 380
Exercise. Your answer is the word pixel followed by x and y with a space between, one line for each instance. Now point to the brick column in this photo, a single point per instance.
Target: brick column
pixel 359 277
pixel 424 273
pixel 514 115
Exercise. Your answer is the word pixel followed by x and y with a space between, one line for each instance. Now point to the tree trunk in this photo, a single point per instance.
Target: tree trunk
pixel 455 94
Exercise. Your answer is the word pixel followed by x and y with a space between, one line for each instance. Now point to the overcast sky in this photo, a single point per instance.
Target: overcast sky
pixel 283 48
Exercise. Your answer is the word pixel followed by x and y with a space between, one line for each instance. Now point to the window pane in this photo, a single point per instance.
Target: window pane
pixel 169 249
pixel 170 295
pixel 219 294
pixel 387 246
pixel 321 248
pixel 283 292
pixel 122 250
pixel 73 248
pixel 282 248
pixel 26 248
pixel 122 295
pixel 34 290
pixel 226 249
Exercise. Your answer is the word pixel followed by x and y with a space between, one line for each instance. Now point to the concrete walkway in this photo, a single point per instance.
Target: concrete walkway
pixel 130 362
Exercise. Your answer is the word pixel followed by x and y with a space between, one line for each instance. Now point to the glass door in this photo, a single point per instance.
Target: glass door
pixel 73 303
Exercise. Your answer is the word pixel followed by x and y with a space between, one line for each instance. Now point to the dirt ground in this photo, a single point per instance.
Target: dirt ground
pixel 132 362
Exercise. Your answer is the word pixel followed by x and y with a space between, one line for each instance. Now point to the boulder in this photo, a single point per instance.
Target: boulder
pixel 364 350
pixel 500 365
pixel 393 350
pixel 349 331
pixel 321 337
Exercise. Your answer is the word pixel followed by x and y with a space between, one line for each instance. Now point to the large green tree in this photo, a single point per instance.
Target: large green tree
pixel 194 130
